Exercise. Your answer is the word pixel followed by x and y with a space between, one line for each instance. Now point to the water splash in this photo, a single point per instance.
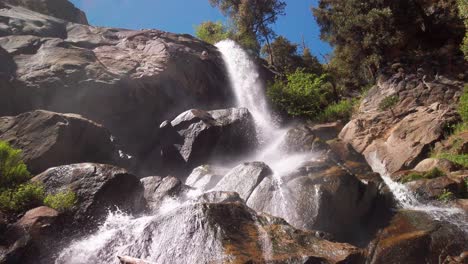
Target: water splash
pixel 407 200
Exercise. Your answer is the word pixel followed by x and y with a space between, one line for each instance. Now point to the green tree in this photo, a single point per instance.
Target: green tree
pixel 463 10
pixel 252 19
pixel 302 94
pixel 311 63
pixel 360 31
pixel 212 32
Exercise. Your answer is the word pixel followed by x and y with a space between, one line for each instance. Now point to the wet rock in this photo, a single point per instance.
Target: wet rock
pixel 207 232
pixel 98 188
pixel 62 9
pixel 156 189
pixel 318 192
pixel 327 131
pixel 433 188
pixel 218 134
pixel 49 139
pixel 244 178
pixel 205 177
pixel 414 237
pixel 302 139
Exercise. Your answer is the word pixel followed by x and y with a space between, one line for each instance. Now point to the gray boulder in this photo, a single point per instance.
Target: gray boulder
pixel 98 188
pixel 211 230
pixel 196 137
pixel 49 139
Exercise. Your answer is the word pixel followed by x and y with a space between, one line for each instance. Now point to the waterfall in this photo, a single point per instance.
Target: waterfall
pixel 407 200
pixel 247 86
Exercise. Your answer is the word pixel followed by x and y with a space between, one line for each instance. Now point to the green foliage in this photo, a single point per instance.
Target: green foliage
pixel 432 174
pixel 283 55
pixel 413 176
pixel 302 94
pixel 13 171
pixel 62 201
pixel 342 110
pixel 446 196
pixel 388 102
pixel 26 196
pixel 367 35
pixel 460 159
pixel 463 12
pixel 212 32
pixel 463 105
pixel 252 20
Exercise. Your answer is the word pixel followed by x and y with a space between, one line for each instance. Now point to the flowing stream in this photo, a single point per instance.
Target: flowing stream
pixel 408 200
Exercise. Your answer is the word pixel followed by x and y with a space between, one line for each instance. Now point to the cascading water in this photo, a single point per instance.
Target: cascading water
pixel 408 200
pixel 250 93
pixel 121 234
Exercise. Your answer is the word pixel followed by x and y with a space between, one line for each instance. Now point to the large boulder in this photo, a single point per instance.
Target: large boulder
pixel 62 9
pixel 98 189
pixel 318 195
pixel 196 137
pixel 128 80
pixel 401 136
pixel 210 230
pixel 415 237
pixel 31 236
pixel 49 139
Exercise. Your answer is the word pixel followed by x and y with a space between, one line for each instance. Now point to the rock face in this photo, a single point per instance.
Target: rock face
pixel 400 136
pixel 196 137
pixel 50 139
pixel 414 237
pixel 57 8
pixel 211 230
pixel 129 81
pixel 308 198
pixel 98 188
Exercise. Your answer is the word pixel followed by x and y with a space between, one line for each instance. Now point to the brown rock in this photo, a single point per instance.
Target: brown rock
pixel 431 163
pixel 414 237
pixel 38 219
pixel 433 188
pixel 402 137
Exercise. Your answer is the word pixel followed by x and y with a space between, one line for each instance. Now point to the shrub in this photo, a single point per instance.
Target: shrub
pixel 463 105
pixel 212 32
pixel 460 159
pixel 388 102
pixel 301 94
pixel 432 174
pixel 341 110
pixel 411 177
pixel 446 196
pixel 62 201
pixel 20 199
pixel 13 171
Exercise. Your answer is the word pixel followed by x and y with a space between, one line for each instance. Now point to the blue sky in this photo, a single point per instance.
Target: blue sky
pixel 181 16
